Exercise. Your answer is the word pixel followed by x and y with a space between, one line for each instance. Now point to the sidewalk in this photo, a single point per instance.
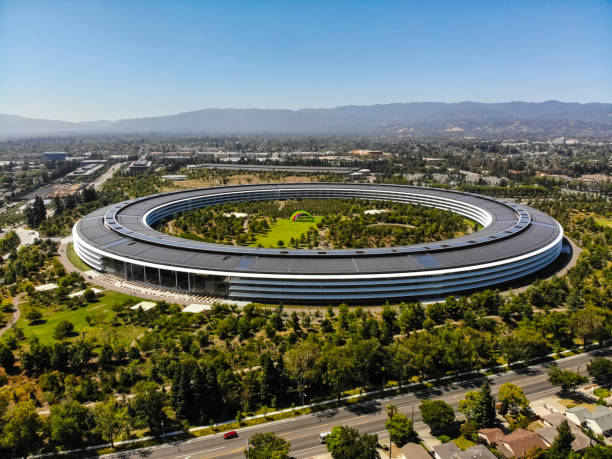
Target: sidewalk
pixel 16 314
pixel 379 394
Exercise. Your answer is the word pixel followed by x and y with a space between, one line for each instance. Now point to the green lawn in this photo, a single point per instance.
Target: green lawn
pixel 74 258
pixel 604 222
pixel 100 313
pixel 463 443
pixel 284 229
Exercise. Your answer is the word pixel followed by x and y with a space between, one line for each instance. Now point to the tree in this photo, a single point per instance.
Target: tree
pixel 147 407
pixel 588 324
pixel 399 426
pixel 339 369
pixel 89 295
pixel 300 363
pixel 181 394
pixel 347 443
pixel 267 446
pixel 600 369
pixel 21 432
pixel 7 359
pixel 598 452
pixel 567 380
pixel 63 329
pixel 469 429
pixel 68 424
pixel 105 357
pixel 400 360
pixel 35 213
pixel 524 343
pixel 562 445
pixel 512 398
pixel 59 206
pixel 33 315
pixel 110 420
pixel 479 406
pixel 438 415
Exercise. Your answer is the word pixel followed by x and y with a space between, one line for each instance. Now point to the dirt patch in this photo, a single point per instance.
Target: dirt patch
pixel 392 224
pixel 238 179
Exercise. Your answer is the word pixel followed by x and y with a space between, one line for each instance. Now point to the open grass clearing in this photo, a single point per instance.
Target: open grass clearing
pixel 604 222
pixel 74 258
pixel 284 230
pixel 99 314
pixel 463 443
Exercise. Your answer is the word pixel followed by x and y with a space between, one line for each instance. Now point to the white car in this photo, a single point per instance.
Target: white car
pixel 323 436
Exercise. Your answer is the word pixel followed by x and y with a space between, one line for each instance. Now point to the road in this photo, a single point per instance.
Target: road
pixel 303 432
pixel 97 183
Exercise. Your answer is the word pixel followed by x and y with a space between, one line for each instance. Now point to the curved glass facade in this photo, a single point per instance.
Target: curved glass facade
pixel 512 245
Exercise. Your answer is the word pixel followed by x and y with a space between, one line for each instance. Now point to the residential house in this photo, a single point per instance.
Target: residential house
pixel 577 414
pixel 451 451
pixel 580 443
pixel 599 420
pixel 414 451
pixel 516 444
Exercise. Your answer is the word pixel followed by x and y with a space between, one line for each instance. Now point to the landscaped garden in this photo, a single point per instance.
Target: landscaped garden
pixel 331 224
pixel 74 258
pixel 95 319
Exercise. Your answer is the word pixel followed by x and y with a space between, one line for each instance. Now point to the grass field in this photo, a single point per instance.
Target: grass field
pixel 284 230
pixel 463 443
pixel 74 258
pixel 99 312
pixel 604 222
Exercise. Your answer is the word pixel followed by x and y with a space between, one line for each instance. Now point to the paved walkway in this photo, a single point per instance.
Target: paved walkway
pixel 68 266
pixel 97 184
pixel 16 314
pixel 118 284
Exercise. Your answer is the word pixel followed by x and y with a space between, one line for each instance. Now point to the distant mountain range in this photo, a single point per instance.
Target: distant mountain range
pixel 463 118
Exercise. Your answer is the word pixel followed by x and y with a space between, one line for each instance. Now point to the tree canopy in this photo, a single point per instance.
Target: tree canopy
pixel 347 443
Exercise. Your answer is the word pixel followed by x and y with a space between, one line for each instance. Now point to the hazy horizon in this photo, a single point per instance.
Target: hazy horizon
pixel 89 61
pixel 309 108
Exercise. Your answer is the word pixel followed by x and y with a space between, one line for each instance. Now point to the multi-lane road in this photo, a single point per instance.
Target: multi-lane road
pixel 303 432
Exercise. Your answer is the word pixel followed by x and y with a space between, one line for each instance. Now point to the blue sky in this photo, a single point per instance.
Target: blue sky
pixel 89 60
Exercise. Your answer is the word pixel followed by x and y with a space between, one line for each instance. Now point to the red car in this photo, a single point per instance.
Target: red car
pixel 230 434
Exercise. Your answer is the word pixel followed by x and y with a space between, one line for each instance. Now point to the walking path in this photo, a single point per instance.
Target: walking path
pixel 118 284
pixel 97 184
pixel 16 314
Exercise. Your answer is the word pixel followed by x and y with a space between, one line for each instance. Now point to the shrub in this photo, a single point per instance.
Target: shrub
pixel 63 330
pixel 33 315
pixel 469 430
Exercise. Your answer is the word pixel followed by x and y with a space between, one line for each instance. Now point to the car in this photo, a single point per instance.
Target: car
pixel 230 434
pixel 323 436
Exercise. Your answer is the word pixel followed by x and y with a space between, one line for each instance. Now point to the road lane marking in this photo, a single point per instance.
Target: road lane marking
pixel 226 453
pixel 198 452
